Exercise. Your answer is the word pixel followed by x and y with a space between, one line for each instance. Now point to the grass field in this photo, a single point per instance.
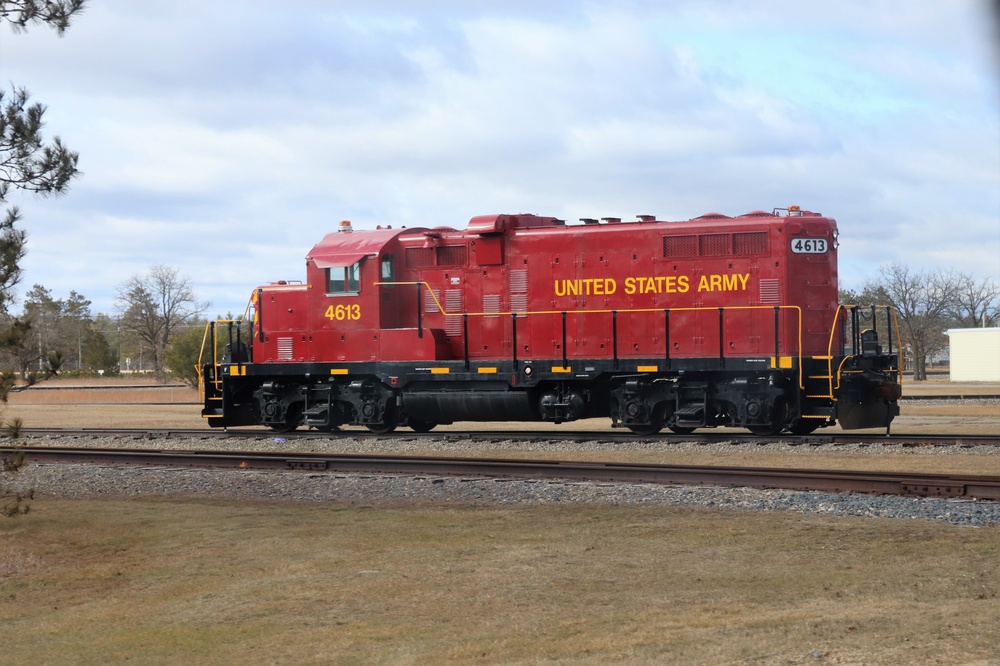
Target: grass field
pixel 181 581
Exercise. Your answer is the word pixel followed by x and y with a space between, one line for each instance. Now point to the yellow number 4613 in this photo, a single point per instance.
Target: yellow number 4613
pixel 351 312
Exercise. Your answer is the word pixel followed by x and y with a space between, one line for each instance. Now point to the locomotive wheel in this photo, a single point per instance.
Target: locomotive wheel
pixel 389 420
pixel 654 426
pixel 778 415
pixel 766 430
pixel 381 428
pixel 417 425
pixel 291 422
pixel 646 430
pixel 678 430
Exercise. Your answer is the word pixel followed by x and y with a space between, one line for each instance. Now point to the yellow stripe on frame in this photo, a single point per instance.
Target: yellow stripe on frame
pixel 648 368
pixel 487 371
pixel 440 371
pixel 783 362
pixel 559 368
pixel 338 371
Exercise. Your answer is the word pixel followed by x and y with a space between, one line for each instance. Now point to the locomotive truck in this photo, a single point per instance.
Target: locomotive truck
pixel 713 321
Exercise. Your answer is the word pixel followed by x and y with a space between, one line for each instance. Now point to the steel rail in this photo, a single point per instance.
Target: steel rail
pixel 733 437
pixel 840 481
pixel 951 398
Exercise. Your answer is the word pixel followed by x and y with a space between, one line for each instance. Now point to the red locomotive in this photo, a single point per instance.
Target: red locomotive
pixel 715 321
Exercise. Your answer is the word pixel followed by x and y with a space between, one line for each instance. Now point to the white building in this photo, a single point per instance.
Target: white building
pixel 975 354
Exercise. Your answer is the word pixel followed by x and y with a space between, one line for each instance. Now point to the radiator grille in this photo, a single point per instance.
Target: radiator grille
pixel 519 290
pixel 454 304
pixel 519 303
pixel 451 255
pixel 750 242
pixel 680 246
pixel 491 302
pixel 286 350
pixel 419 257
pixel 770 292
pixel 519 281
pixel 431 298
pixel 713 245
pixel 442 257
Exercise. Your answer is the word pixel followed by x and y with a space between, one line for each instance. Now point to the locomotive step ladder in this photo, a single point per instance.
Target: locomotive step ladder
pixel 692 416
pixel 216 350
pixel 817 401
pixel 213 410
pixel 317 415
pixel 211 391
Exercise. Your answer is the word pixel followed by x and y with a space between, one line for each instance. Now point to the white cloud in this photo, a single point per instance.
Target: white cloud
pixel 226 139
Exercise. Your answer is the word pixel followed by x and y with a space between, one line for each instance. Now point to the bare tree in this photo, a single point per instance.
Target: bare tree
pixel 977 304
pixel 871 294
pixel 922 302
pixel 152 306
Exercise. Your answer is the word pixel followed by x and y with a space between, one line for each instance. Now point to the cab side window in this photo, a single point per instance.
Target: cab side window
pixel 388 274
pixel 343 279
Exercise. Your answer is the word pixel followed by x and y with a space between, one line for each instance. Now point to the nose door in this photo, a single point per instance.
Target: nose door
pixel 390 315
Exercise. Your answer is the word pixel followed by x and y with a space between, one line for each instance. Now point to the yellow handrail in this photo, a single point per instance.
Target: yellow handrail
pixel 526 313
pixel 890 311
pixel 213 326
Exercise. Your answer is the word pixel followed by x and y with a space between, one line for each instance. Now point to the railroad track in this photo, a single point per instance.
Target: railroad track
pixel 736 437
pixel 881 483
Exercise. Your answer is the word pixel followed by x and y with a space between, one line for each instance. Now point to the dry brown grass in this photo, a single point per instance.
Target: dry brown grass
pixel 184 581
pixel 260 583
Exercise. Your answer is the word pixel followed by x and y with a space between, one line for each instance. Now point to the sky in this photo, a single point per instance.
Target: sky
pixel 225 139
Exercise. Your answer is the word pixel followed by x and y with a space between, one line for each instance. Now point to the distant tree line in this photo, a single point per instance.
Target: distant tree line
pixel 154 311
pixel 928 304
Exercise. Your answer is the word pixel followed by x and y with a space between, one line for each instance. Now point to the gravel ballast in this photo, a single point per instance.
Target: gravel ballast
pixel 90 481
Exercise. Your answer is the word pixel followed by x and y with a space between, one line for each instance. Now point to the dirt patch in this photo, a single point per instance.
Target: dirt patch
pixel 942 386
pixel 104 395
